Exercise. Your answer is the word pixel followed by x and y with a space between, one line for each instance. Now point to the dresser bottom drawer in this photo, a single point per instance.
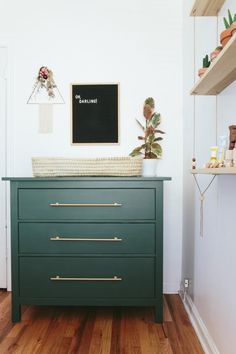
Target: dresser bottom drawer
pixel 73 277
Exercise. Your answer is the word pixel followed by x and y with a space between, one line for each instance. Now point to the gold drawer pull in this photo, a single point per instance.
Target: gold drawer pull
pixel 85 205
pixel 58 278
pixel 58 238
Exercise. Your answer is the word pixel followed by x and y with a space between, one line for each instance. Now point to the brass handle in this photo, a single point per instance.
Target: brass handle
pixel 58 278
pixel 85 205
pixel 58 238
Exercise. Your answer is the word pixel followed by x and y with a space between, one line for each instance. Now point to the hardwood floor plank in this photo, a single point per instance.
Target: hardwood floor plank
pixel 129 337
pixel 81 341
pixel 115 334
pixel 102 332
pixel 166 312
pixel 88 330
pixel 184 330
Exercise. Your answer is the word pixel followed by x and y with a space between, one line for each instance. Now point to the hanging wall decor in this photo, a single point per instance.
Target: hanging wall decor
pixel 95 113
pixel 45 93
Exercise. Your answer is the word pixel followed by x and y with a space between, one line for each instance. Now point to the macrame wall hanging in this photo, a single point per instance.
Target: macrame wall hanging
pixel 45 94
pixel 202 192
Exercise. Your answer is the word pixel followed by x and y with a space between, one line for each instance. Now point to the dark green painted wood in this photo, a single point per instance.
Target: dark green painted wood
pixel 35 203
pixel 159 254
pixel 79 178
pixel 35 274
pixel 139 258
pixel 16 311
pixel 136 238
pixel 79 301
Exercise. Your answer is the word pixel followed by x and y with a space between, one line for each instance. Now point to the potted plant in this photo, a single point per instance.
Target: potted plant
pixel 205 65
pixel 233 23
pixel 227 33
pixel 215 53
pixel 150 149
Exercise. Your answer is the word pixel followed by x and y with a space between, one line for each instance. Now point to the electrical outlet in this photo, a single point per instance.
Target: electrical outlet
pixel 186 283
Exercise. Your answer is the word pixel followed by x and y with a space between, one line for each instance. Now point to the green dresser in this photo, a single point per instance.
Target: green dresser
pixel 94 241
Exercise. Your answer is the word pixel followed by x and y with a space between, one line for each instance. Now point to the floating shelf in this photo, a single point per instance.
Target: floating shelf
pixel 206 7
pixel 215 171
pixel 220 74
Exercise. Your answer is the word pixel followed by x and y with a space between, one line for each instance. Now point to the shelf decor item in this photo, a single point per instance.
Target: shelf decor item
pixel 205 65
pixel 215 53
pixel 151 150
pixel 232 137
pixel 45 93
pixel 227 33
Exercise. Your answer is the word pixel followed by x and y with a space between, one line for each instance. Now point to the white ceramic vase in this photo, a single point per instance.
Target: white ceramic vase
pixel 149 167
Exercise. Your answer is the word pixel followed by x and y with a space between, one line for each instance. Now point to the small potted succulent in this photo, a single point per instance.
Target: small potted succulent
pixel 233 23
pixel 205 65
pixel 230 28
pixel 215 52
pixel 150 148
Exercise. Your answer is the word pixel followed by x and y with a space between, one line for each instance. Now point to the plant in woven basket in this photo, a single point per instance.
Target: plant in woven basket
pixel 151 149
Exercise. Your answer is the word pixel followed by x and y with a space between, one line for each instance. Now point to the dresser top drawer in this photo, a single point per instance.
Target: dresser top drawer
pixel 87 204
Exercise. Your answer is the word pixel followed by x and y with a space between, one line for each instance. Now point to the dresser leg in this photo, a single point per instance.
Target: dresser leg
pixel 158 314
pixel 16 312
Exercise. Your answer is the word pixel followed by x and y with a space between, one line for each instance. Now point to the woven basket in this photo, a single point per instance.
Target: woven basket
pixel 107 166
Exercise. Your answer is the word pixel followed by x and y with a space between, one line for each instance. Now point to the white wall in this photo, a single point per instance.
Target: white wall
pixel 133 42
pixel 210 261
pixel 3 95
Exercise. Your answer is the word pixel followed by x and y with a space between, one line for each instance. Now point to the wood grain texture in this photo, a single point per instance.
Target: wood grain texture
pixel 220 74
pixel 97 330
pixel 206 7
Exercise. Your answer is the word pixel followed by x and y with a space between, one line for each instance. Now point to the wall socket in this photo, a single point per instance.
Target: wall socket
pixel 186 283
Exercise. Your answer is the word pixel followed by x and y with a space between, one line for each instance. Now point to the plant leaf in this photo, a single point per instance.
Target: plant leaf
pixel 155 146
pixel 153 155
pixel 135 153
pixel 140 124
pixel 137 150
pixel 151 138
pixel 156 149
pixel 158 139
pixel 159 131
pixel 230 17
pixel 156 120
pixel 226 23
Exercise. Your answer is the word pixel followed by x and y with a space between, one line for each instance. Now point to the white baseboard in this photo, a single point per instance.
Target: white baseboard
pixel 170 288
pixel 204 337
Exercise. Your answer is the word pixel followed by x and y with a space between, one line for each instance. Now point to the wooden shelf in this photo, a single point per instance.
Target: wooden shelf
pixel 215 171
pixel 206 7
pixel 220 74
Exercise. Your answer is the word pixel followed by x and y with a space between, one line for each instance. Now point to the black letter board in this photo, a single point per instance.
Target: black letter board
pixel 95 113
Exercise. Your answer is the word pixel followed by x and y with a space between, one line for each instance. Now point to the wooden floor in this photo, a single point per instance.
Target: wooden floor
pixel 90 330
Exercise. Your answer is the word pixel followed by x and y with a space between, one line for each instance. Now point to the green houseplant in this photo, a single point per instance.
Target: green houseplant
pixel 150 147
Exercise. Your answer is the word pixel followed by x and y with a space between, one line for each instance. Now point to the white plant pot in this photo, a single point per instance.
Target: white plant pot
pixel 149 167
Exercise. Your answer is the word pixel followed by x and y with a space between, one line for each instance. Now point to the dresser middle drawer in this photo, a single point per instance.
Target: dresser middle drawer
pixel 86 238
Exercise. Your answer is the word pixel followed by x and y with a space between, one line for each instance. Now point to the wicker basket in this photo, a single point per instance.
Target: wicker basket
pixel 107 166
